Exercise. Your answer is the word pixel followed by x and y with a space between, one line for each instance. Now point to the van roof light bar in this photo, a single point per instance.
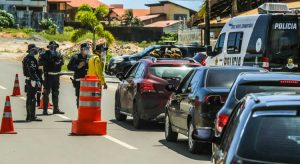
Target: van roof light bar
pixel 268 8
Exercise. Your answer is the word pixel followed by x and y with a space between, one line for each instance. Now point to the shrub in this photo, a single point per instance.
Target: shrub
pixel 68 29
pixel 6 19
pixel 49 26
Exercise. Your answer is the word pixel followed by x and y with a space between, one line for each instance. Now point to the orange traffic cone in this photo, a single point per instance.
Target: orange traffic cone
pixel 89 113
pixel 42 101
pixel 16 90
pixel 7 126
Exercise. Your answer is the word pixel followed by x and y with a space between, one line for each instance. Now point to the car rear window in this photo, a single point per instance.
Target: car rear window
pixel 265 86
pixel 170 71
pixel 223 78
pixel 272 138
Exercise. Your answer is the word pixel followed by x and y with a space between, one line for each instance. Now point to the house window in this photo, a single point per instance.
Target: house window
pixel 53 7
pixel 180 16
pixel 234 43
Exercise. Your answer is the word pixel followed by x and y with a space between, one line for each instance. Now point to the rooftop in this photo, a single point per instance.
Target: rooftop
pixel 163 23
pixel 191 5
pixel 136 12
pixel 77 3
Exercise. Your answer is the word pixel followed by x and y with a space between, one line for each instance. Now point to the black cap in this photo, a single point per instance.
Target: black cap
pixel 52 43
pixel 101 48
pixel 84 45
pixel 31 46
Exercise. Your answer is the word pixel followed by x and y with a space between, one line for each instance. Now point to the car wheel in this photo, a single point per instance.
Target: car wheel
pixel 193 145
pixel 169 134
pixel 118 115
pixel 137 121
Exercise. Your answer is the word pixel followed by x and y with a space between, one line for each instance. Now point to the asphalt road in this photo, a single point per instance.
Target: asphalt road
pixel 49 142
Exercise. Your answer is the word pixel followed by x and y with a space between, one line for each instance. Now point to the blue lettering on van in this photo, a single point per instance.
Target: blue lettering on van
pixel 239 26
pixel 232 61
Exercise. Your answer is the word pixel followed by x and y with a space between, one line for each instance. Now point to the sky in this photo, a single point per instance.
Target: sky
pixel 134 4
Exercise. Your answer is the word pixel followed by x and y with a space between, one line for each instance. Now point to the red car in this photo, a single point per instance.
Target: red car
pixel 141 92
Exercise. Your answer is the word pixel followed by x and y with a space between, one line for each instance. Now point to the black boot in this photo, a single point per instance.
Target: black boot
pixel 28 118
pixel 45 112
pixel 58 111
pixel 36 119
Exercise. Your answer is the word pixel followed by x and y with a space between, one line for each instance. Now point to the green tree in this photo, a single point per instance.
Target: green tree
pixel 6 19
pixel 137 22
pixel 128 17
pixel 90 22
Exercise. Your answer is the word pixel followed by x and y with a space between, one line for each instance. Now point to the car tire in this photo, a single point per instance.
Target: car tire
pixel 192 144
pixel 169 134
pixel 118 115
pixel 137 121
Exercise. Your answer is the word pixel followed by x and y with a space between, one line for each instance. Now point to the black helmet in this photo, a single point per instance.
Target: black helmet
pixel 101 48
pixel 52 44
pixel 84 45
pixel 31 46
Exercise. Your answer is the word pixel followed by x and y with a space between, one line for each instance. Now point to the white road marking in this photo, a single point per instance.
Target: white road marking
pixel 106 136
pixel 23 98
pixel 63 117
pixel 1 87
pixel 120 142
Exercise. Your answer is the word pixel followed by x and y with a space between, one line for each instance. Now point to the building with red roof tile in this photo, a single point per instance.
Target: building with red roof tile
pixel 69 7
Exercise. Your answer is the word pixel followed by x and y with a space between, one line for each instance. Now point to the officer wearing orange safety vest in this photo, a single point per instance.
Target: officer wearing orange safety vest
pixel 96 64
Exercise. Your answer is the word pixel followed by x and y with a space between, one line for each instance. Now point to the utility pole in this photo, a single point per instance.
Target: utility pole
pixel 207 24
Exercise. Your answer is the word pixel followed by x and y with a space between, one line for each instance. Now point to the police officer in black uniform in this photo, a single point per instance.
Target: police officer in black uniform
pixel 33 81
pixel 39 91
pixel 79 64
pixel 52 61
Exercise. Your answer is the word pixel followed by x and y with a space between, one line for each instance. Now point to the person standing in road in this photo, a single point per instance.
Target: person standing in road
pixel 39 91
pixel 79 64
pixel 52 61
pixel 96 64
pixel 32 82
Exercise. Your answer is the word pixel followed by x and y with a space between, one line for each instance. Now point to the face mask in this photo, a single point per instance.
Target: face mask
pixel 86 52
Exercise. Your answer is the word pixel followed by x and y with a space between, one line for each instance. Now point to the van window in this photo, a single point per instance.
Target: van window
pixel 283 44
pixel 234 43
pixel 220 44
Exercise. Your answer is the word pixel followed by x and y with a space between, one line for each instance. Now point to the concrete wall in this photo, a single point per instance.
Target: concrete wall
pixel 24 3
pixel 156 9
pixel 32 19
pixel 170 10
pixel 136 34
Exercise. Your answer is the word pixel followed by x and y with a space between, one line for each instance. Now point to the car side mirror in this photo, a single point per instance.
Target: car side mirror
pixel 204 134
pixel 209 51
pixel 171 87
pixel 120 76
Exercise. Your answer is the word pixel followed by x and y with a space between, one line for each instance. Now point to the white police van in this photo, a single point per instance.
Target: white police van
pixel 265 40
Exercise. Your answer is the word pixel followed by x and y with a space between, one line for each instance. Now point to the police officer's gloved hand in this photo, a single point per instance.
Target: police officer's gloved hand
pixel 105 86
pixel 39 84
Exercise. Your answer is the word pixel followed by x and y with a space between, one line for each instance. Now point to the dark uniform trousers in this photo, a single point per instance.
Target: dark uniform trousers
pixel 30 101
pixel 51 83
pixel 77 91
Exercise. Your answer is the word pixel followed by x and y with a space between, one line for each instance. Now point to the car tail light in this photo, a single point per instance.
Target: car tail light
pixel 203 63
pixel 289 82
pixel 266 63
pixel 215 99
pixel 147 87
pixel 222 120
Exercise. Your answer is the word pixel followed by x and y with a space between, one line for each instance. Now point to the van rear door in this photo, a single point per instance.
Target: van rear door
pixel 283 44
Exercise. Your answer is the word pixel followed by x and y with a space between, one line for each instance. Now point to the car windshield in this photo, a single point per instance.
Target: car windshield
pixel 170 71
pixel 145 51
pixel 271 138
pixel 264 86
pixel 223 78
